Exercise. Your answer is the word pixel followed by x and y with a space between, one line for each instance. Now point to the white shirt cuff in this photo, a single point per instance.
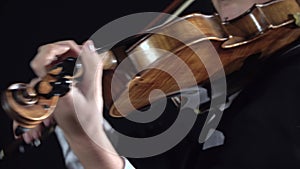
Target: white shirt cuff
pixel 127 164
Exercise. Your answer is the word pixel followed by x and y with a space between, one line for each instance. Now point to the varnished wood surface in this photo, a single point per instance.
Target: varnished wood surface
pixel 31 115
pixel 232 46
pixel 193 40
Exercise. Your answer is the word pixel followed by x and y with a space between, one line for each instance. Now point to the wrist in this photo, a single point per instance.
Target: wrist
pixel 93 154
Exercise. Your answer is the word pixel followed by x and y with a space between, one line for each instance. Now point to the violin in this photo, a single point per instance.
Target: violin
pixel 264 29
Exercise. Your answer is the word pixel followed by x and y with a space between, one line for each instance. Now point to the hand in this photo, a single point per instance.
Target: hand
pixel 87 94
pixel 230 9
pixel 79 113
pixel 45 56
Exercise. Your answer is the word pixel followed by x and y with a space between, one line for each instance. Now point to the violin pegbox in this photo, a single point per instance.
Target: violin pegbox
pixel 30 105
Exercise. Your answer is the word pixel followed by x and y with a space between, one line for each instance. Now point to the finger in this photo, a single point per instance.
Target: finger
pixel 49 53
pixel 36 132
pixel 27 138
pixel 92 64
pixel 18 130
pixel 49 121
pixel 34 81
pixel 33 134
pixel 98 87
pixel 46 55
pixel 75 49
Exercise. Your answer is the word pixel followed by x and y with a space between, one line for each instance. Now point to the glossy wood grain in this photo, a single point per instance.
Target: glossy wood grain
pixel 184 48
pixel 263 30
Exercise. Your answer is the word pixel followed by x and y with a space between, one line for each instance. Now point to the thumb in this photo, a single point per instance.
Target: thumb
pixel 92 76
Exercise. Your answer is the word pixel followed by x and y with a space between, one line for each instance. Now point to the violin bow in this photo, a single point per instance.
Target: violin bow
pixel 181 5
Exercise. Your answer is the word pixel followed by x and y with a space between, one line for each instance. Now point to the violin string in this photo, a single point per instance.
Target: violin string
pixel 168 9
pixel 185 5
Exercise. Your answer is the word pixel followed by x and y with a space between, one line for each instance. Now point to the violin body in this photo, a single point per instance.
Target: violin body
pixel 194 39
pixel 264 30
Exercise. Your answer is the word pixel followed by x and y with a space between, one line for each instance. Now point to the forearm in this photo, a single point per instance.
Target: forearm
pixel 94 156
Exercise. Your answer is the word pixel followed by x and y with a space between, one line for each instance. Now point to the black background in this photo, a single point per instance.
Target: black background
pixel 262 127
pixel 26 25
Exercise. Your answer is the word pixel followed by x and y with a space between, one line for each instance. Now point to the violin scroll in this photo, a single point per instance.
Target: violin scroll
pixel 28 105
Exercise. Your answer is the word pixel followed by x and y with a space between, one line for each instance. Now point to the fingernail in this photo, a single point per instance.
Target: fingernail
pixel 37 142
pixel 47 122
pixel 91 45
pixel 20 130
pixel 27 139
pixel 65 47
